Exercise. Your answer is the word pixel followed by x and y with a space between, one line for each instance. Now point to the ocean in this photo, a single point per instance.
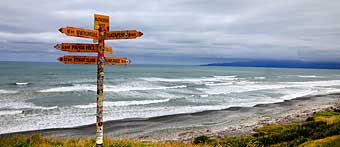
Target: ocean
pixel 37 96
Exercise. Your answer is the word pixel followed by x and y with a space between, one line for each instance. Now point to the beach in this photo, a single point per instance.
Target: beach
pixel 235 121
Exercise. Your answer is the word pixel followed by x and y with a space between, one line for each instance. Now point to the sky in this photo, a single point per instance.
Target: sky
pixel 178 31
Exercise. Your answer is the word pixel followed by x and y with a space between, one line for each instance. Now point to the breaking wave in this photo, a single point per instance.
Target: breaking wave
pixel 18 83
pixel 109 88
pixel 2 91
pixel 122 103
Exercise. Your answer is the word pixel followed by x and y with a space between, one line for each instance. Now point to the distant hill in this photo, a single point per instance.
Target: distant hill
pixel 279 64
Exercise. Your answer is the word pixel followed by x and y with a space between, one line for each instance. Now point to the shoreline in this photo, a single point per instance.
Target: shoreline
pixel 230 122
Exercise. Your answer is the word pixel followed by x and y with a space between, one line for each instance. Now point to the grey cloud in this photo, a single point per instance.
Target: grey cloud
pixel 196 29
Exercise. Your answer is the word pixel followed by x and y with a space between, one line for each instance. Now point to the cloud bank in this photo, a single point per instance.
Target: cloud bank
pixel 178 31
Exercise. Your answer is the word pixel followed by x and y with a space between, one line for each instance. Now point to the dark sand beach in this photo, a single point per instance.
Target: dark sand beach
pixel 234 121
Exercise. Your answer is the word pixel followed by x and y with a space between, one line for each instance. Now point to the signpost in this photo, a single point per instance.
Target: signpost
pixel 99 34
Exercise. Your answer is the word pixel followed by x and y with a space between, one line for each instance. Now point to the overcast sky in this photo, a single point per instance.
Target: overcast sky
pixel 178 31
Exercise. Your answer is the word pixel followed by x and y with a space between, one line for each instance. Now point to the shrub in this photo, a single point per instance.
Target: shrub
pixel 201 140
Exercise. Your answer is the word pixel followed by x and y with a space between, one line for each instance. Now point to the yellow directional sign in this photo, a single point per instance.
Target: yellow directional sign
pixel 125 34
pixel 102 21
pixel 79 32
pixel 117 61
pixel 93 60
pixel 78 47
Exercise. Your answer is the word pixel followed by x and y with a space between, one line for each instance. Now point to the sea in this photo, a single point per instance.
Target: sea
pixel 36 96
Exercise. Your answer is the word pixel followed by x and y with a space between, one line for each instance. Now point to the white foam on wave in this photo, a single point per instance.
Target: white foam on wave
pixel 227 77
pixel 316 83
pixel 78 87
pixel 192 80
pixel 122 103
pixel 308 92
pixel 23 105
pixel 2 91
pixel 121 89
pixel 110 88
pixel 45 108
pixel 246 86
pixel 216 90
pixel 331 90
pixel 21 109
pixel 10 112
pixel 21 83
pixel 204 95
pixel 259 78
pixel 308 76
pixel 218 84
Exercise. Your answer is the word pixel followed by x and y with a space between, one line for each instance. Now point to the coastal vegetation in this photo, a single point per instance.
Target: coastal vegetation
pixel 320 129
pixel 36 140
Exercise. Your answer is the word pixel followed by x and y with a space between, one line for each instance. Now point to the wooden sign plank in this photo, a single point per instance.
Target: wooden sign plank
pixel 93 60
pixel 125 34
pixel 79 32
pixel 102 21
pixel 79 47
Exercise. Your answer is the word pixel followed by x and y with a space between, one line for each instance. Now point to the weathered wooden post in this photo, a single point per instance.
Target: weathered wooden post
pixel 100 89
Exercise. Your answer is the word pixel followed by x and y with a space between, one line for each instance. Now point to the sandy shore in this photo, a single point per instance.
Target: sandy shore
pixel 235 121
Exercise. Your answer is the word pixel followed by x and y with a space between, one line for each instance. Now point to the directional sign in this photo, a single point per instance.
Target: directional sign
pixel 79 32
pixel 93 60
pixel 102 21
pixel 78 47
pixel 117 61
pixel 126 34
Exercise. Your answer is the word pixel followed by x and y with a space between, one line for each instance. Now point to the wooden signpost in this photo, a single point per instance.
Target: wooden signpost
pixel 99 34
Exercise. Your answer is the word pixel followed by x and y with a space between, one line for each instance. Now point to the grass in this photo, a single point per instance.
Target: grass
pixel 325 142
pixel 36 140
pixel 328 117
pixel 321 129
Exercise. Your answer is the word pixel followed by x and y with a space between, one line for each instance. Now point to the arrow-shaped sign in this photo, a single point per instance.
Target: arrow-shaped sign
pixel 125 34
pixel 79 32
pixel 78 47
pixel 93 60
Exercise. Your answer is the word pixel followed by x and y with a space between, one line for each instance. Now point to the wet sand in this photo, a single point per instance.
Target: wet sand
pixel 235 121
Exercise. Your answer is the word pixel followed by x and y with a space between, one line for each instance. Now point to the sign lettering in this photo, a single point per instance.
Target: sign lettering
pixel 101 21
pixel 93 60
pixel 79 32
pixel 127 34
pixel 78 47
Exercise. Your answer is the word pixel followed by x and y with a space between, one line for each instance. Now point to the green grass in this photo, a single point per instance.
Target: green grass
pixel 36 140
pixel 320 126
pixel 325 142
